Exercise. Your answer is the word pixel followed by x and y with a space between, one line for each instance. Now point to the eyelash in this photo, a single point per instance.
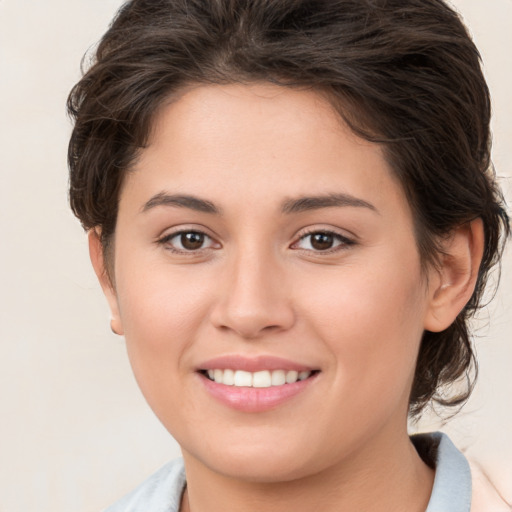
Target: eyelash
pixel 343 244
pixel 167 239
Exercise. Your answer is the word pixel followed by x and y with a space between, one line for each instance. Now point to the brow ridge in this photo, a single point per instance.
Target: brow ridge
pixel 182 201
pixel 289 206
pixel 306 203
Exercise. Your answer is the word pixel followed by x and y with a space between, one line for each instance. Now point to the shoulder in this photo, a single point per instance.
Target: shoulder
pixel 486 496
pixel 161 492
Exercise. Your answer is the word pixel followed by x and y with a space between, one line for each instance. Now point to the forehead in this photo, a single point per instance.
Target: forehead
pixel 257 143
pixel 235 115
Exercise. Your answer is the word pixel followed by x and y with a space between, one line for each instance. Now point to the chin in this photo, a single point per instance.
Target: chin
pixel 264 469
pixel 257 461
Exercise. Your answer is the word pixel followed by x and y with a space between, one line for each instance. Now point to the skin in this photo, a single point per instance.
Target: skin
pixel 258 286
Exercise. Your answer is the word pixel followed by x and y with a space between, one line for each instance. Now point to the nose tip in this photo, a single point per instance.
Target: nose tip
pixel 254 302
pixel 251 324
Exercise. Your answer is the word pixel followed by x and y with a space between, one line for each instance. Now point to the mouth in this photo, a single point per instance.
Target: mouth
pixel 256 385
pixel 258 379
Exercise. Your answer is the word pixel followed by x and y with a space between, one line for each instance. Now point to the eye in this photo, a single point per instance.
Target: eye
pixel 322 241
pixel 187 241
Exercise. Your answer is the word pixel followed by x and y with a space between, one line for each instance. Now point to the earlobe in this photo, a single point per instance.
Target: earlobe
pixel 98 262
pixel 456 277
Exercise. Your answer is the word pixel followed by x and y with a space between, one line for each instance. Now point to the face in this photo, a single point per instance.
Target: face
pixel 268 283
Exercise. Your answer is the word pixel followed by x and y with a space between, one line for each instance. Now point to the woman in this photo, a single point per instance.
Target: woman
pixel 292 213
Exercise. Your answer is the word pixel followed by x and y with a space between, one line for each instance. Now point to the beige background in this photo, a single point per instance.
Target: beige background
pixel 75 432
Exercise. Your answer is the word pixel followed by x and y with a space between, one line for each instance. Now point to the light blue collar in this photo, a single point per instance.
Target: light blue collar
pixel 452 482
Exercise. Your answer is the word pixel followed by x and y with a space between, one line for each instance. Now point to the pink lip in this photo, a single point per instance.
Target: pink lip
pixel 255 399
pixel 248 399
pixel 252 364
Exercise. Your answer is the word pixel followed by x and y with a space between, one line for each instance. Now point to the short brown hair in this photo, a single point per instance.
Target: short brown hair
pixel 402 73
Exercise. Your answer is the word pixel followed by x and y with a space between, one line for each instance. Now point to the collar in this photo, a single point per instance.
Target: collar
pixel 452 482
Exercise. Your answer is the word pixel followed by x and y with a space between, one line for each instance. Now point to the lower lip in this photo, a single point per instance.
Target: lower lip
pixel 248 399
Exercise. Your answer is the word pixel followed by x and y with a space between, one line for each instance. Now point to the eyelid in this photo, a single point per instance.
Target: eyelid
pixel 165 239
pixel 345 241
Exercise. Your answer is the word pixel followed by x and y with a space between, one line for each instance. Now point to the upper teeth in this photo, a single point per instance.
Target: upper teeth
pixel 262 379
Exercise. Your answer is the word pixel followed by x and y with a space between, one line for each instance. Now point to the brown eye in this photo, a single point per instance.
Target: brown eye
pixel 322 241
pixel 192 241
pixel 326 241
pixel 187 241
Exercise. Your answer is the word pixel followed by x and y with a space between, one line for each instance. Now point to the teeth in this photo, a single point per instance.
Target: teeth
pixel 262 379
pixel 278 378
pixel 218 376
pixel 228 378
pixel 242 378
pixel 291 377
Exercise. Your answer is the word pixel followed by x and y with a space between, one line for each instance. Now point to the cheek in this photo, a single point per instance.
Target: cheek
pixel 163 297
pixel 162 311
pixel 162 308
pixel 372 323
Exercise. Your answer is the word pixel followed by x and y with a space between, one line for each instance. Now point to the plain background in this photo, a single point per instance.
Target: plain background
pixel 75 433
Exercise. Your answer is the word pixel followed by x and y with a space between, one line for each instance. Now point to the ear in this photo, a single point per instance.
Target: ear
pixel 452 284
pixel 98 262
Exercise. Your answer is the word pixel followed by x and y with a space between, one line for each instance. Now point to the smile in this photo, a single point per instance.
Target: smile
pixel 259 379
pixel 253 389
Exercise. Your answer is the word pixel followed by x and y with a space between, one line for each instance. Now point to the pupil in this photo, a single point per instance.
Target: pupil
pixel 322 241
pixel 192 240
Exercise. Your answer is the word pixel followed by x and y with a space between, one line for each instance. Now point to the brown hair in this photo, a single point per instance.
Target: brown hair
pixel 403 73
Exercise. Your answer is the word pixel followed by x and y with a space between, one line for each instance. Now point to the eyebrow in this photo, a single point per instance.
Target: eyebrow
pixel 296 205
pixel 183 201
pixel 302 204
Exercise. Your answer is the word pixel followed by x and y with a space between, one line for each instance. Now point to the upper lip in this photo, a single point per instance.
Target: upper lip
pixel 252 364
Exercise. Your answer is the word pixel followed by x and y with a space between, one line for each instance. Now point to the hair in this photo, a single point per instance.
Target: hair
pixel 401 73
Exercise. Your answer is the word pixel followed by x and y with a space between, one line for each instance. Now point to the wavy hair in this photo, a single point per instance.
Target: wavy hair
pixel 402 73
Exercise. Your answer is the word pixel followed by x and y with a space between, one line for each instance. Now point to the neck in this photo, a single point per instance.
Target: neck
pixel 378 477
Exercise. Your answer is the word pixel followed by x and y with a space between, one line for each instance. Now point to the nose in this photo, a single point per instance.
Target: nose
pixel 254 299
